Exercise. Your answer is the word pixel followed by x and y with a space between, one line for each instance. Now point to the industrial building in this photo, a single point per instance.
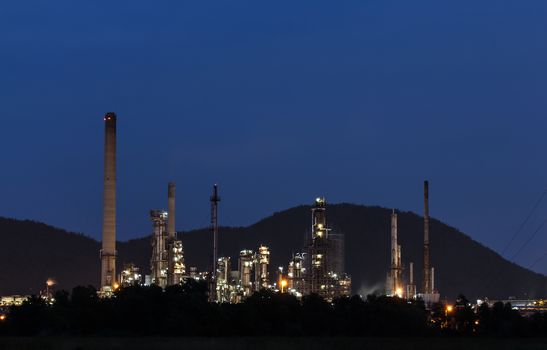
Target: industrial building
pixel 252 275
pixel 225 283
pixel 158 262
pixel 296 275
pixel 324 259
pixel 261 264
pixel 246 264
pixel 324 276
pixel 322 272
pixel 167 262
pixel 130 276
pixel 176 269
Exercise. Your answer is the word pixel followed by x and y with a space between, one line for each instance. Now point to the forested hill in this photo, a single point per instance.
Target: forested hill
pixel 32 252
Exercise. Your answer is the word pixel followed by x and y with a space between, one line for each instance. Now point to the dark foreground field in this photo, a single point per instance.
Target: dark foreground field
pixel 45 343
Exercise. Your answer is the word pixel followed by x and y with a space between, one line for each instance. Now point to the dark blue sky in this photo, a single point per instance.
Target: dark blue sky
pixel 277 102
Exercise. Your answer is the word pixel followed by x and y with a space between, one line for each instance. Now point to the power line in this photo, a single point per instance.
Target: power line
pixel 492 278
pixel 529 239
pixel 524 222
pixel 537 260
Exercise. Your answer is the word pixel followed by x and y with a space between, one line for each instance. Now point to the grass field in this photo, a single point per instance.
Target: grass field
pixel 45 343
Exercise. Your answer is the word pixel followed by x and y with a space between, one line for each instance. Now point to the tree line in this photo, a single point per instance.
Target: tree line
pixel 184 310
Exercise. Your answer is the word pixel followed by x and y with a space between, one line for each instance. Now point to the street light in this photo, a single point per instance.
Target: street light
pixel 283 285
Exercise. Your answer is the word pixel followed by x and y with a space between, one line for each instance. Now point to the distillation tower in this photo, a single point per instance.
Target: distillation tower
pixel 261 262
pixel 224 292
pixel 296 274
pixel 395 275
pixel 246 262
pixel 159 260
pixel 318 250
pixel 176 269
pixel 325 254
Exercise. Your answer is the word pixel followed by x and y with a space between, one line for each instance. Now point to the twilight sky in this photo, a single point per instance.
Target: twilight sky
pixel 278 102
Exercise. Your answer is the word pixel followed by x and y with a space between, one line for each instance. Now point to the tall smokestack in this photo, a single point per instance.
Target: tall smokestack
pixel 214 226
pixel 108 251
pixel 426 287
pixel 394 245
pixel 171 204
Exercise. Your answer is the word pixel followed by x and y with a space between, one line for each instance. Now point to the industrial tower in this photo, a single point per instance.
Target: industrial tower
pixel 319 249
pixel 108 251
pixel 262 261
pixel 296 274
pixel 325 256
pixel 245 268
pixel 159 260
pixel 176 269
pixel 426 283
pixel 215 199
pixel 395 275
pixel 411 287
pixel 429 295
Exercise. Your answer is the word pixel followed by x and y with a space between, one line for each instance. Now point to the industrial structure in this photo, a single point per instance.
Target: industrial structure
pixel 319 270
pixel 426 283
pixel 296 275
pixel 411 286
pixel 215 199
pixel 428 294
pixel 224 283
pixel 261 264
pixel 108 251
pixel 246 264
pixel 395 281
pixel 130 276
pixel 325 256
pixel 159 261
pixel 176 269
pixel 252 275
pixel 167 262
pixel 394 285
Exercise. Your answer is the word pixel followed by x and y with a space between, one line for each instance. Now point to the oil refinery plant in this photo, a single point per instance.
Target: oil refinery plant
pixel 318 268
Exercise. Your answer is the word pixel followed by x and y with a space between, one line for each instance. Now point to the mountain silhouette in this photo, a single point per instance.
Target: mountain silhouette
pixel 33 252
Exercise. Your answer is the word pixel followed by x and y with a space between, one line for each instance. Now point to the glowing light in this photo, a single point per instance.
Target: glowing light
pixel 449 308
pixel 116 286
pixel 284 283
pixel 399 292
pixel 2 317
pixel 50 282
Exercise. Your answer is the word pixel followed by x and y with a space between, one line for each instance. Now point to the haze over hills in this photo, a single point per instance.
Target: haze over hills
pixel 35 251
